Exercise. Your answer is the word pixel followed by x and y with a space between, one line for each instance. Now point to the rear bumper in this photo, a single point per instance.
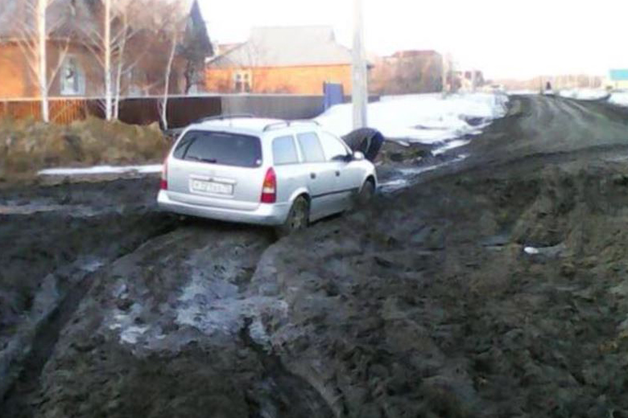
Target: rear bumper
pixel 266 214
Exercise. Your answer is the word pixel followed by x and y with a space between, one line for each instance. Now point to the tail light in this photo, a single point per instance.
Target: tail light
pixel 164 176
pixel 269 189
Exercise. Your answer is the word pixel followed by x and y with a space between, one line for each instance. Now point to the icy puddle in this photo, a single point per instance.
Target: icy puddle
pixel 410 174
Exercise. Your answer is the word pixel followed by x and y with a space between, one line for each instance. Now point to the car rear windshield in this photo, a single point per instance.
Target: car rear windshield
pixel 220 148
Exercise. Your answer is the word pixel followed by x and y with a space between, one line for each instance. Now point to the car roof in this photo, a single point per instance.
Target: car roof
pixel 250 126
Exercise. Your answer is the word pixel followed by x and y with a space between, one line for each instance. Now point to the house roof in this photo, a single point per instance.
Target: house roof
pixel 286 47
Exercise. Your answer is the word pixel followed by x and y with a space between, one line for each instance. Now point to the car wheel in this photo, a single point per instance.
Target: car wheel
pixel 366 193
pixel 298 218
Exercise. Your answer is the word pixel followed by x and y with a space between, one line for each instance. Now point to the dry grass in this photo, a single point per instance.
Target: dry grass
pixel 27 146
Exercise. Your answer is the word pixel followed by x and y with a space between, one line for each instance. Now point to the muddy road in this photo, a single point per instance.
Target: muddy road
pixel 493 284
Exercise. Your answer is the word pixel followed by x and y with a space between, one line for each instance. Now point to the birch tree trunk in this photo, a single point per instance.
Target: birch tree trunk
pixel 164 103
pixel 42 5
pixel 107 69
pixel 116 102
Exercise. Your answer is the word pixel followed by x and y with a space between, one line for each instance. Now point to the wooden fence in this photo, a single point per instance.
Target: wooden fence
pixel 62 111
pixel 182 110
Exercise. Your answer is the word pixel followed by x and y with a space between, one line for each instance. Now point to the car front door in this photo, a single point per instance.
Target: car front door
pixel 321 179
pixel 348 172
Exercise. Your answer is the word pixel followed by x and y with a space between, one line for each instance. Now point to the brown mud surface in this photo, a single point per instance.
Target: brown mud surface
pixel 494 286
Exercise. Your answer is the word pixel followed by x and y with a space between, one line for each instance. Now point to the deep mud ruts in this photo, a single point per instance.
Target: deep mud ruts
pixel 496 286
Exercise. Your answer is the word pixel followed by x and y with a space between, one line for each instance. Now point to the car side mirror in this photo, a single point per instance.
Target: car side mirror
pixel 358 156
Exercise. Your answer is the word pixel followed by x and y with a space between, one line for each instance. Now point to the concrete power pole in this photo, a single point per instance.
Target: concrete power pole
pixel 360 80
pixel 42 5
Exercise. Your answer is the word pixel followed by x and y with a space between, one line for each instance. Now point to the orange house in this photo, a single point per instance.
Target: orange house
pixel 74 61
pixel 292 60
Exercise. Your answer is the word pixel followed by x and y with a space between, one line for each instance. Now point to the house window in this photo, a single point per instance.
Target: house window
pixel 72 78
pixel 134 89
pixel 242 82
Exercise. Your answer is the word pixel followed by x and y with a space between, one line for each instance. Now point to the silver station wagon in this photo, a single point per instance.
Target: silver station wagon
pixel 263 171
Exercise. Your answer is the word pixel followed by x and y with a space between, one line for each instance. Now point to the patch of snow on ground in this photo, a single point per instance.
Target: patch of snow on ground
pixel 423 118
pixel 522 92
pixel 619 98
pixel 584 94
pixel 102 169
pixel 531 251
pixel 456 143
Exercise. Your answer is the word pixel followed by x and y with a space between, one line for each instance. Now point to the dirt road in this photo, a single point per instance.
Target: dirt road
pixel 493 286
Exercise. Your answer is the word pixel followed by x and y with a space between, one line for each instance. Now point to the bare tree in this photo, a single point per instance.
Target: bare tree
pixel 163 104
pixel 34 33
pixel 174 29
pixel 122 22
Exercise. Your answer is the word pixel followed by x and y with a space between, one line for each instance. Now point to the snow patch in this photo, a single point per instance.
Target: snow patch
pixel 523 92
pixel 423 118
pixel 102 169
pixel 456 143
pixel 532 251
pixel 584 94
pixel 31 209
pixel 619 98
pixel 131 334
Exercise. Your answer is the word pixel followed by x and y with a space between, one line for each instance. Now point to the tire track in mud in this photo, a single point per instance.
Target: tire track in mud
pixel 175 309
pixel 24 374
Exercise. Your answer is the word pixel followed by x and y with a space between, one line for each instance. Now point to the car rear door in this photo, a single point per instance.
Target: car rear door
pixel 216 169
pixel 290 174
pixel 322 176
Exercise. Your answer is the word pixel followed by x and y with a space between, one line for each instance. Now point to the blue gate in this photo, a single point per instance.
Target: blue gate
pixel 333 95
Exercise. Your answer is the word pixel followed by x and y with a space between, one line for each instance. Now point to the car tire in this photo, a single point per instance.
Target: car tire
pixel 365 194
pixel 298 218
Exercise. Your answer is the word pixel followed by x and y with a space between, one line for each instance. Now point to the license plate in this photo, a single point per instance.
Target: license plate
pixel 212 187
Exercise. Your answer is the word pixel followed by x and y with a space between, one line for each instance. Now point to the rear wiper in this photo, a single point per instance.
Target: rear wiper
pixel 204 160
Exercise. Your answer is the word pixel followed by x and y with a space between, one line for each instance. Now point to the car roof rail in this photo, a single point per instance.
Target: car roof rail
pixel 289 123
pixel 225 117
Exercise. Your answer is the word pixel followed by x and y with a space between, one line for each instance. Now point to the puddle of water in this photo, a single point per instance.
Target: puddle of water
pixel 409 173
pixel 393 185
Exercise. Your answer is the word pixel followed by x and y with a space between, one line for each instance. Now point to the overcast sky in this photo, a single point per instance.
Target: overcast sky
pixel 505 38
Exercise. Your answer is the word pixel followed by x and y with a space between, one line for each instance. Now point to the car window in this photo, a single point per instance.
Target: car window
pixel 334 149
pixel 220 148
pixel 311 148
pixel 285 151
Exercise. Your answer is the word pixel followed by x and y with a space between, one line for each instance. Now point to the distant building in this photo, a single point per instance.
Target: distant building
pixel 470 79
pixel 295 60
pixel 407 72
pixel 617 79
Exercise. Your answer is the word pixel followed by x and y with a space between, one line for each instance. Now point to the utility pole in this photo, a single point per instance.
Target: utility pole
pixel 360 81
pixel 43 77
pixel 445 74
